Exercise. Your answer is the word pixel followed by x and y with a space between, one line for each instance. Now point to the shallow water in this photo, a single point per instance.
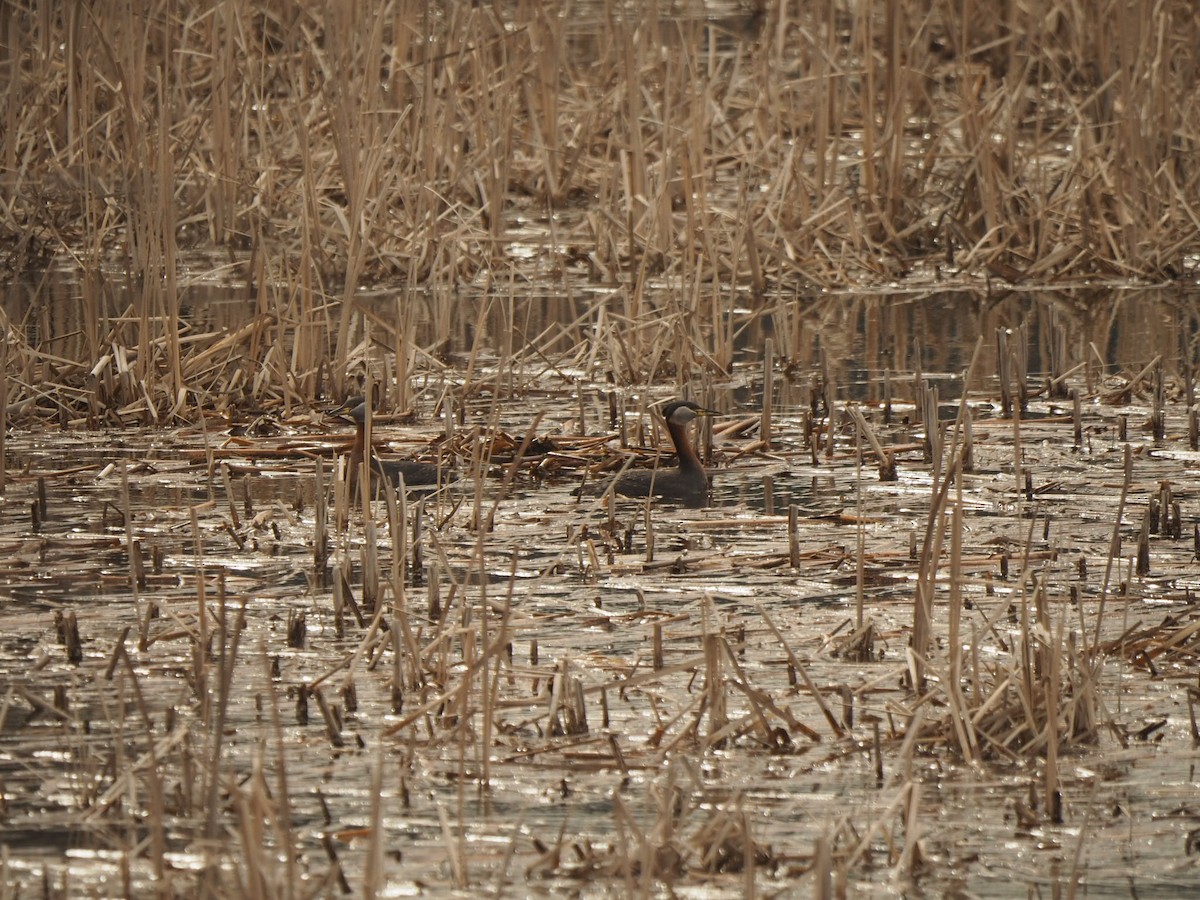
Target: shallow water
pixel 464 805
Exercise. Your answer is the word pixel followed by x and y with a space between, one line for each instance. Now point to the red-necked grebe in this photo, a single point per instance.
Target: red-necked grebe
pixel 686 482
pixel 415 474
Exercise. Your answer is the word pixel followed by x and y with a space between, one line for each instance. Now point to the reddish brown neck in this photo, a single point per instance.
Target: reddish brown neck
pixel 358 452
pixel 688 460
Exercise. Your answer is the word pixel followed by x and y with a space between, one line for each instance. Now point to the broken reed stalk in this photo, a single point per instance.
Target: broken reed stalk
pixel 968 436
pixel 800 670
pixel 714 684
pixel 928 395
pixel 959 709
pixel 404 639
pixel 1158 411
pixel 1003 373
pixel 883 818
pixel 648 524
pixel 1021 366
pixel 369 554
pixel 860 535
pixel 130 544
pixel 910 856
pixel 511 470
pixel 961 444
pixel 343 497
pixel 152 784
pixel 768 394
pixel 885 460
pixel 927 575
pixel 934 528
pixel 495 649
pixel 3 413
pixel 793 536
pixel 230 499
pixel 822 869
pixel 1051 687
pixel 227 659
pixel 200 644
pixel 1077 419
pixel 320 524
pixel 1114 543
pixel 829 391
pixel 1142 564
pixel 373 872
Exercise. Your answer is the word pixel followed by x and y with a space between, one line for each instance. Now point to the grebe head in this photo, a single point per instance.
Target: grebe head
pixel 680 412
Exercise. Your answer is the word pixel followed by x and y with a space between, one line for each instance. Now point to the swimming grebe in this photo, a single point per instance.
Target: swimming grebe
pixel 416 474
pixel 686 482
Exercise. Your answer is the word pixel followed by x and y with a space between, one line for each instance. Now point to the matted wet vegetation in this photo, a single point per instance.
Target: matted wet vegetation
pixel 936 631
pixel 221 671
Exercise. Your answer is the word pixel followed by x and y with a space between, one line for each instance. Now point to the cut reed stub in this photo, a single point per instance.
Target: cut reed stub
pixel 568 712
pixel 1143 549
pixel 302 692
pixel 297 630
pixel 886 461
pixel 67 627
pixel 397 695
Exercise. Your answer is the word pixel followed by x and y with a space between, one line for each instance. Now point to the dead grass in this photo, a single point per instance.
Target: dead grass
pixel 308 673
pixel 314 151
pixel 377 186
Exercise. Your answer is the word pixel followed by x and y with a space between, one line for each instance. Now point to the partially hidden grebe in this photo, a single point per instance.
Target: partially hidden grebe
pixel 415 474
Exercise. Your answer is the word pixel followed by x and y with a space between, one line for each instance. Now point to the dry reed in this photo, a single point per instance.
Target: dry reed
pixel 442 155
pixel 325 150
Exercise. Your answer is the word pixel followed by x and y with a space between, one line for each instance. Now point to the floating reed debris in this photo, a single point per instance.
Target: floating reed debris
pixel 681 669
pixel 887 462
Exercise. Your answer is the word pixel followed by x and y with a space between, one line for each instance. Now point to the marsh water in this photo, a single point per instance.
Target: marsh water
pixel 526 689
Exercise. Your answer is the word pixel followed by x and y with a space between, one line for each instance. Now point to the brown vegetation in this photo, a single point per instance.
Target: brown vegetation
pixel 307 150
pixel 224 689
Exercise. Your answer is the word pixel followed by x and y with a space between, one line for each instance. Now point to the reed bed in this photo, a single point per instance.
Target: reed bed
pixel 230 674
pixel 945 601
pixel 674 156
